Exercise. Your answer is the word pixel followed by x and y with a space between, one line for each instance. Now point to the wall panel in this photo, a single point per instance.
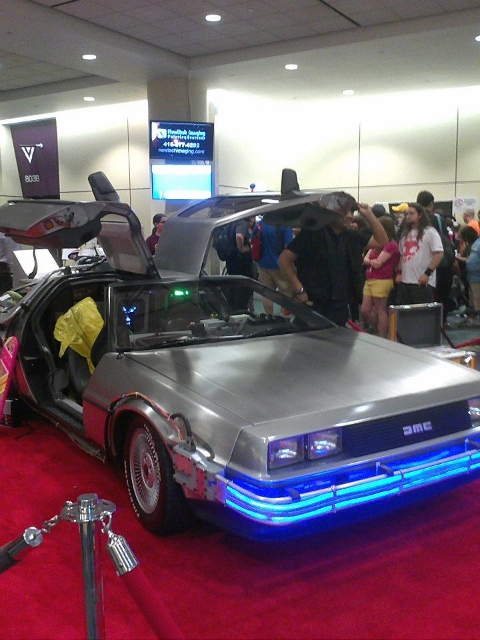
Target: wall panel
pixel 256 139
pixel 92 140
pixel 468 140
pixel 9 180
pixel 407 141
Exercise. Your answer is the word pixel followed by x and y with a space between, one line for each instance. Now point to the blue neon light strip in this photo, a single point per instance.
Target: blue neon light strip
pixel 351 494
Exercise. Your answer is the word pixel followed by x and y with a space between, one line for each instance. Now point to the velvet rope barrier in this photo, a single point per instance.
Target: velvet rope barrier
pixel 461 345
pixel 356 327
pixel 151 605
pixel 140 588
pixel 13 551
pixel 469 343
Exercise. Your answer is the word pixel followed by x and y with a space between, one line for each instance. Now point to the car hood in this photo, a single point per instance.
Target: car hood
pixel 311 380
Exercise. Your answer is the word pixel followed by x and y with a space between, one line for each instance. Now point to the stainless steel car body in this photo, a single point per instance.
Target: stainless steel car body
pixel 284 389
pixel 220 399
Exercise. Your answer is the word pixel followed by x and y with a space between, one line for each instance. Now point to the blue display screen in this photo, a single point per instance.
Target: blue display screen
pixel 181 181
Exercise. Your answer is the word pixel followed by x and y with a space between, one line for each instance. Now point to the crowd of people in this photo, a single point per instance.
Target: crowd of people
pixel 354 268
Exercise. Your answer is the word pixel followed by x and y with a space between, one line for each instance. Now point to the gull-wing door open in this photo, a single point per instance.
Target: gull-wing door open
pixel 312 211
pixel 61 224
pixel 185 243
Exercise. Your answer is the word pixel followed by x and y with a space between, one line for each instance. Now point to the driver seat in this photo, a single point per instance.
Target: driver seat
pixel 77 366
pixel 75 330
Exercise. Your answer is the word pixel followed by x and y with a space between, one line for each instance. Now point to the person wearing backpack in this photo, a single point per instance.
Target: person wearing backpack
pixel 445 270
pixel 271 241
pixel 239 263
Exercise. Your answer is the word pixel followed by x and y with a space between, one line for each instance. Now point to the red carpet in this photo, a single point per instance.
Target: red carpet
pixel 411 574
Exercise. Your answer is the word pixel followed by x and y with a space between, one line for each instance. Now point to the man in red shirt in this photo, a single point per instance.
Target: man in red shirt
pixel 159 220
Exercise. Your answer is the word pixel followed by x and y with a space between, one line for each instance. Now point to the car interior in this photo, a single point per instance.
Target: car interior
pixel 55 378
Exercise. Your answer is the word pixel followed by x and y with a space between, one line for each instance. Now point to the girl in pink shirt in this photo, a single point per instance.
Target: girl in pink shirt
pixel 379 282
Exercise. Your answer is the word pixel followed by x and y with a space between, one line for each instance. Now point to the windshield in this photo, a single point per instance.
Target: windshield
pixel 154 315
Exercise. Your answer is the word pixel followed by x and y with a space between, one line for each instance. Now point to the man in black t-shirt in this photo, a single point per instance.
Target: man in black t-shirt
pixel 324 267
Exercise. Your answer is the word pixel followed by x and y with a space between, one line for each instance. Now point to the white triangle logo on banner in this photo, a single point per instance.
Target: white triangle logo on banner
pixel 28 151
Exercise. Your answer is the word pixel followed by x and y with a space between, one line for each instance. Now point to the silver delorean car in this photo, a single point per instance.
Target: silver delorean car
pixel 267 425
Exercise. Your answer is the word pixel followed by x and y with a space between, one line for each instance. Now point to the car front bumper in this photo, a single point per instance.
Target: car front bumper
pixel 313 498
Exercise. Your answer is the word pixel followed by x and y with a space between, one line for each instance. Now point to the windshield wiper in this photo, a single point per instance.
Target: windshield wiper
pixel 174 341
pixel 272 331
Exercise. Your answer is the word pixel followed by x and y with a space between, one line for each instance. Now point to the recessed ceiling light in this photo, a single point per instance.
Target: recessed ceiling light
pixel 477 38
pixel 291 67
pixel 349 92
pixel 213 17
pixel 89 56
pixel 89 99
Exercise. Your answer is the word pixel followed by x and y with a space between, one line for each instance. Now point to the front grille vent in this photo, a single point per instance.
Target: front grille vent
pixel 405 429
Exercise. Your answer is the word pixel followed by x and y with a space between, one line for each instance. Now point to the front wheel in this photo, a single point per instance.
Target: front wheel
pixel 156 497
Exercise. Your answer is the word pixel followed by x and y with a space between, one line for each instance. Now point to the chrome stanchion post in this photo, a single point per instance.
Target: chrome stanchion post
pixel 92 568
pixel 89 512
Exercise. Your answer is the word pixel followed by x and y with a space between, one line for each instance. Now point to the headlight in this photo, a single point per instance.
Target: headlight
pixel 324 443
pixel 286 451
pixel 311 446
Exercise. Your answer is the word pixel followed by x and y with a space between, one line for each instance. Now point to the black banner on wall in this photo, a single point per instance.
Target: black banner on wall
pixel 36 151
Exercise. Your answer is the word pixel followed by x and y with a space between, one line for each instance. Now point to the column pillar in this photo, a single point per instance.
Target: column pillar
pixel 177 99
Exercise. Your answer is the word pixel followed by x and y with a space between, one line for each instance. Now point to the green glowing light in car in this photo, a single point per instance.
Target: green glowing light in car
pixel 180 293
